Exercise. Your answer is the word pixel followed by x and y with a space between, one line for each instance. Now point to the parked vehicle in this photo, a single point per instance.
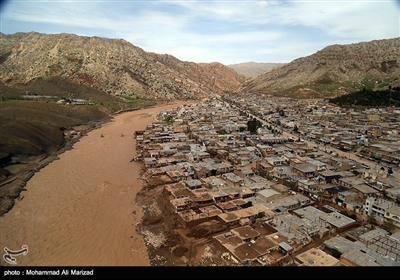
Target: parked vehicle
pixel 365 166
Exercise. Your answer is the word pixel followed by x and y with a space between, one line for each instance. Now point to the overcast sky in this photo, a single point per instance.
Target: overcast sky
pixel 213 31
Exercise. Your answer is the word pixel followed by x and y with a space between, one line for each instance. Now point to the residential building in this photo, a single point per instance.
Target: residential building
pixel 392 215
pixel 377 207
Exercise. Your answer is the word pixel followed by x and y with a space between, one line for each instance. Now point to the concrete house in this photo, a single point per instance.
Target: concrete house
pixel 328 176
pixel 336 222
pixel 308 187
pixel 377 207
pixel 246 233
pixel 233 179
pixel 268 195
pixel 393 193
pixel 316 257
pixel 243 172
pixel 193 184
pixel 305 170
pixel 392 215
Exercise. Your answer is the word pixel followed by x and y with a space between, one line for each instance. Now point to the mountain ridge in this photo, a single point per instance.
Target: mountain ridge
pixel 114 66
pixel 252 68
pixel 119 68
pixel 333 71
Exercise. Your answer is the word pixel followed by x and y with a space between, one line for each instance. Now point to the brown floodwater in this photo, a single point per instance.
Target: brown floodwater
pixel 80 209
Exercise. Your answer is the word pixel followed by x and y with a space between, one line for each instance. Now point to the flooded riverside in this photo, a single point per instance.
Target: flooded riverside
pixel 80 210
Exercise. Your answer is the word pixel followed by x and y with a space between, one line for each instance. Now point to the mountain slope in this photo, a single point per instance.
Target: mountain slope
pixel 114 66
pixel 333 71
pixel 252 69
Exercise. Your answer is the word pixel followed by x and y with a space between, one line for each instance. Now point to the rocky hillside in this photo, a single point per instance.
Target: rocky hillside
pixel 333 71
pixel 113 66
pixel 252 69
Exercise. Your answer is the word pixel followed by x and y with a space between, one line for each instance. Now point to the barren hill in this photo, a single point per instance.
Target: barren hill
pixel 333 71
pixel 252 69
pixel 114 66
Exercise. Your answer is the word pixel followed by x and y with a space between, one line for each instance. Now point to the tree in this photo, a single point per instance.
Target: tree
pixel 222 132
pixel 253 125
pixel 260 215
pixel 169 119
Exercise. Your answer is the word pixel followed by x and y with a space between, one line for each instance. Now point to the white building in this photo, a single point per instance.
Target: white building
pixel 377 207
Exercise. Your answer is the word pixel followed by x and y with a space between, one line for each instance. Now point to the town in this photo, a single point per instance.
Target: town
pixel 290 182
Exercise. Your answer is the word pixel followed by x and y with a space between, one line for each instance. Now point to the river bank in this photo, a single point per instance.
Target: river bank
pixel 25 168
pixel 80 209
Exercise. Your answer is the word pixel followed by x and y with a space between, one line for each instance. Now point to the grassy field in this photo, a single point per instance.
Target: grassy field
pixel 29 128
pixel 35 127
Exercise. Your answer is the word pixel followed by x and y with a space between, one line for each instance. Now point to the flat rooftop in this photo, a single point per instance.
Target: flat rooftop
pixel 211 210
pixel 357 232
pixel 316 257
pixel 338 220
pixel 310 213
pixel 245 232
pixel 342 244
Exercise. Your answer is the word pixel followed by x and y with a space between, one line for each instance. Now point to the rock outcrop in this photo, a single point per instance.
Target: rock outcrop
pixel 114 66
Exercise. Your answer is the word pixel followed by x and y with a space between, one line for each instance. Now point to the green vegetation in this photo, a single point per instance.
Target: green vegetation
pixel 222 132
pixel 8 98
pixel 253 125
pixel 33 128
pixel 260 215
pixel 130 97
pixel 15 168
pixel 368 83
pixel 386 83
pixel 369 98
pixel 169 120
pixel 325 88
pixel 137 100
